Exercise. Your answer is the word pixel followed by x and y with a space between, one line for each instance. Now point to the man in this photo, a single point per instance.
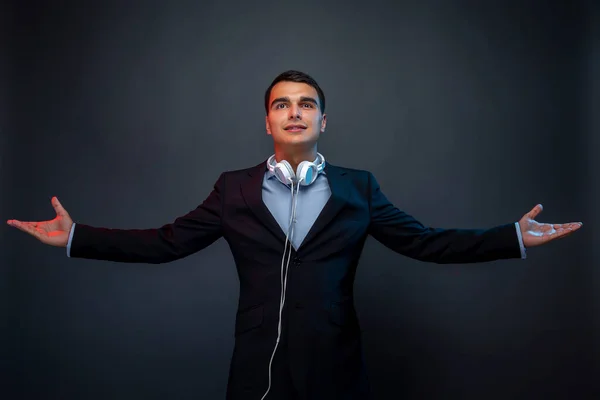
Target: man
pixel 296 226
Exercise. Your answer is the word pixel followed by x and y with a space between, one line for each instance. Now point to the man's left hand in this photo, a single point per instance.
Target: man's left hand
pixel 535 233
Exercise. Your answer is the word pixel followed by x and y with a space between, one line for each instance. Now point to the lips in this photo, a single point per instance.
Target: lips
pixel 294 128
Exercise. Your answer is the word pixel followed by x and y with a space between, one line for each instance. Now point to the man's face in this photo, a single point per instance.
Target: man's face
pixel 294 116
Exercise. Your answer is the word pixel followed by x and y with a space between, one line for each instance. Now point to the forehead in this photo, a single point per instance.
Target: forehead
pixel 293 90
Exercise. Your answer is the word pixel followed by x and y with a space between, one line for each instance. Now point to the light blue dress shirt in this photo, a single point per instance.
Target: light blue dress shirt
pixel 310 201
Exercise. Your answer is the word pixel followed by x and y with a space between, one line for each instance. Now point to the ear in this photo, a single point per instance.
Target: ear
pixel 323 122
pixel 268 126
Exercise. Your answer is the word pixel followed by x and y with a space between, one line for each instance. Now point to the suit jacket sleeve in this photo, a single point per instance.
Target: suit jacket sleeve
pixel 407 236
pixel 186 235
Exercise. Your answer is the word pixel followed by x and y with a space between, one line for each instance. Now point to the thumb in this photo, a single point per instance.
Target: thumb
pixel 535 211
pixel 59 208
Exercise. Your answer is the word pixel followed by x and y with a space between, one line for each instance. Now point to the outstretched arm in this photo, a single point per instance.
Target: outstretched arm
pixel 405 235
pixel 186 235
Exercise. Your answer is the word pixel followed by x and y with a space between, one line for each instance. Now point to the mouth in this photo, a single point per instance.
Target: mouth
pixel 295 128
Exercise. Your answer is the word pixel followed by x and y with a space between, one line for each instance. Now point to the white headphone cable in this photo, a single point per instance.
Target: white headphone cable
pixel 288 239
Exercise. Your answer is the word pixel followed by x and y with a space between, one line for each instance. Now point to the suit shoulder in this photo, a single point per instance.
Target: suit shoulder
pixel 355 172
pixel 244 171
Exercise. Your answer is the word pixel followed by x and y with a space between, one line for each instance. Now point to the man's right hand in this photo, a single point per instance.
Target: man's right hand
pixel 54 232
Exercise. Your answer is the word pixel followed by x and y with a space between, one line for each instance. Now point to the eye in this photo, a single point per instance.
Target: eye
pixel 280 105
pixel 309 105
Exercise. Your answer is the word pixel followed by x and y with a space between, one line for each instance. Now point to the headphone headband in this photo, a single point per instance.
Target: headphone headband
pixel 306 173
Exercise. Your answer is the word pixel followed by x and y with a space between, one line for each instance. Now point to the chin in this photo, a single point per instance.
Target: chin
pixel 297 144
pixel 300 141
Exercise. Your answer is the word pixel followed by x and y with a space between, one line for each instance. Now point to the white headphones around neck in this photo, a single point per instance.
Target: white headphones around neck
pixel 305 175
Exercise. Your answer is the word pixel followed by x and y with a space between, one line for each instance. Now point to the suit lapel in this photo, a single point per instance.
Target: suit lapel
pixel 339 186
pixel 252 193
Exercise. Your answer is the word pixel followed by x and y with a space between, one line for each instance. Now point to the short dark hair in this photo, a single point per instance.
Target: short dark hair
pixel 295 76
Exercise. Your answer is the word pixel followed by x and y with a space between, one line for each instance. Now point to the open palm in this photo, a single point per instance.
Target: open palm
pixel 536 233
pixel 54 232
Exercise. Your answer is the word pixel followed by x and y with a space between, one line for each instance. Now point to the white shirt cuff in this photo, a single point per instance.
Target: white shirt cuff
pixel 70 240
pixel 523 250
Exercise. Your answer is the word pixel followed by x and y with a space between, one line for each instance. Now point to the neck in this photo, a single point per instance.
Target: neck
pixel 296 156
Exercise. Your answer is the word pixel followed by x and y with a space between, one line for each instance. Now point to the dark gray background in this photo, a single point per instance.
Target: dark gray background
pixel 592 190
pixel 7 296
pixel 468 113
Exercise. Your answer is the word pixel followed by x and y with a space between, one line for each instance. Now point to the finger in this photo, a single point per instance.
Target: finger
pixel 558 226
pixel 562 234
pixel 571 225
pixel 535 211
pixel 16 223
pixel 564 230
pixel 23 225
pixel 27 227
pixel 58 207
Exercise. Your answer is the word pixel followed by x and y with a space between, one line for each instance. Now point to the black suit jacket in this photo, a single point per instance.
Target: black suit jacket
pixel 319 323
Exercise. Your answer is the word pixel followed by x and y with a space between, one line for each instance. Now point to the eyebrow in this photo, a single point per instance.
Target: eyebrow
pixel 287 100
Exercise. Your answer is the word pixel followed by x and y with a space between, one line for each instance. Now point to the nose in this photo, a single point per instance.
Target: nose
pixel 295 112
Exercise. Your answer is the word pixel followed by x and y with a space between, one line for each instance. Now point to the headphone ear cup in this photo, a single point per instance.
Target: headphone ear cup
pixel 321 163
pixel 307 172
pixel 284 172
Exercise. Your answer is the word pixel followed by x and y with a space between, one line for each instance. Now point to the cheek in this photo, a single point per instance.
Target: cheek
pixel 272 125
pixel 276 121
